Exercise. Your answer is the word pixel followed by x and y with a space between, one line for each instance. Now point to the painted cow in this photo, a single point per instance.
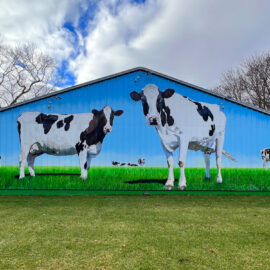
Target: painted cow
pixel 141 161
pixel 132 164
pixel 184 123
pixel 265 153
pixel 115 163
pixel 61 135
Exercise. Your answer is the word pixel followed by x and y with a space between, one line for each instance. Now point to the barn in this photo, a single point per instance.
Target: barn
pixel 94 136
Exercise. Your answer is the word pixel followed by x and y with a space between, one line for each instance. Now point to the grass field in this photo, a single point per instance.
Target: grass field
pixel 135 232
pixel 130 178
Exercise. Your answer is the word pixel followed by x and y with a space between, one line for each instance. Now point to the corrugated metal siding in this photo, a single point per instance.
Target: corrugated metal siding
pixel 246 129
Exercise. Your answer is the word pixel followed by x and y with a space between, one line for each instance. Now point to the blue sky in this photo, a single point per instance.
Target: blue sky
pixel 195 41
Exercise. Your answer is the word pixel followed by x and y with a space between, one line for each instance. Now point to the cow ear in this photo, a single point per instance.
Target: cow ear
pixel 135 96
pixel 168 93
pixel 118 113
pixel 95 112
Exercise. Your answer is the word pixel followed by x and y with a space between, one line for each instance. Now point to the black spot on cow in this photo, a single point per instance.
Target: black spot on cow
pixel 145 106
pixel 164 111
pixel 79 147
pixel 95 132
pixel 47 120
pixel 203 111
pixel 67 122
pixel 212 130
pixel 140 96
pixel 19 129
pixel 85 165
pixel 60 123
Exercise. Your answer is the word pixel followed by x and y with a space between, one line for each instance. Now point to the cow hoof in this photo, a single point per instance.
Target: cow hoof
pixel 21 177
pixel 83 178
pixel 207 178
pixel 219 181
pixel 168 187
pixel 182 187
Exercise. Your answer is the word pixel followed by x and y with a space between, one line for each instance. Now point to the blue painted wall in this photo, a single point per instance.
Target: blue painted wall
pixel 247 131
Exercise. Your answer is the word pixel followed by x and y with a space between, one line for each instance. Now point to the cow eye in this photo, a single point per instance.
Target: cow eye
pixel 159 103
pixel 111 119
pixel 145 107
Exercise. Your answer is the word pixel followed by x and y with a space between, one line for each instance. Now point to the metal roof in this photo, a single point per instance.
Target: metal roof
pixel 149 71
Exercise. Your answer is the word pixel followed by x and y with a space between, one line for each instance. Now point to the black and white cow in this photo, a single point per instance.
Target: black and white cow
pixel 141 161
pixel 182 122
pixel 265 153
pixel 115 163
pixel 61 135
pixel 132 164
pixel 118 164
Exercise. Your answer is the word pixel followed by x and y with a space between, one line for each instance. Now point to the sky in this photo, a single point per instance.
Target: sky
pixel 195 41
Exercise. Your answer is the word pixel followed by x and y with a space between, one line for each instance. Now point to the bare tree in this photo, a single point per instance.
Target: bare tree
pixel 25 72
pixel 250 82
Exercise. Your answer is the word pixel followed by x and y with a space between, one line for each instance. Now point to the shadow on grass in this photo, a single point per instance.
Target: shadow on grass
pixel 50 174
pixel 146 181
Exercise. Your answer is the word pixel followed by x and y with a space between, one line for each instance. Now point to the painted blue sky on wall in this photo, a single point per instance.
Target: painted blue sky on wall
pixel 131 138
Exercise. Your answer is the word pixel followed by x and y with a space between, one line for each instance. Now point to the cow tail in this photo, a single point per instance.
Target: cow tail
pixel 19 126
pixel 229 156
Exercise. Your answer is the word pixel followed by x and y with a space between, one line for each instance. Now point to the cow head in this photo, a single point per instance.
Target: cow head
pixel 105 118
pixel 154 108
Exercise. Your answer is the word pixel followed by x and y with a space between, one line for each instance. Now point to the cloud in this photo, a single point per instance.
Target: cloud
pixel 192 40
pixel 40 22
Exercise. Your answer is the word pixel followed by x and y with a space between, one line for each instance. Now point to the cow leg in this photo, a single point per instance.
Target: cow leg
pixel 182 162
pixel 30 161
pixel 264 163
pixel 170 181
pixel 23 157
pixel 88 161
pixel 83 163
pixel 219 148
pixel 207 165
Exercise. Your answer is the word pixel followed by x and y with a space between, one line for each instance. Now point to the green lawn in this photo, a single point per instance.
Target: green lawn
pixel 133 179
pixel 135 232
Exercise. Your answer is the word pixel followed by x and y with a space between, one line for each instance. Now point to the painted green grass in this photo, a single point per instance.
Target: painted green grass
pixel 135 232
pixel 125 178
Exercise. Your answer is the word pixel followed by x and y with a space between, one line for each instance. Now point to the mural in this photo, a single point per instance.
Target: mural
pixel 185 124
pixel 63 135
pixel 164 144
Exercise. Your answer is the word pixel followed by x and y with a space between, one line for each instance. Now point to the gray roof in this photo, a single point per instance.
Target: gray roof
pixel 131 71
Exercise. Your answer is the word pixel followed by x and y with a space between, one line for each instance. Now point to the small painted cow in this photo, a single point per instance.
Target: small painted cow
pixel 265 153
pixel 132 165
pixel 141 161
pixel 182 122
pixel 62 135
pixel 115 163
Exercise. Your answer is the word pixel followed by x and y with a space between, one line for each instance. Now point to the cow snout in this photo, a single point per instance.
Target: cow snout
pixel 153 121
pixel 107 129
